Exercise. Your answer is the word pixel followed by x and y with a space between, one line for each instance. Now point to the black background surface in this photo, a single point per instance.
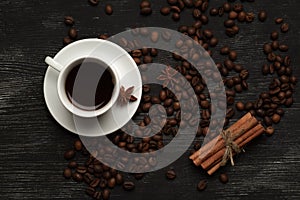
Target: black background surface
pixel 32 143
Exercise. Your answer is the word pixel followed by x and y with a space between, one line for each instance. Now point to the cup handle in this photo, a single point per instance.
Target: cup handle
pixel 52 63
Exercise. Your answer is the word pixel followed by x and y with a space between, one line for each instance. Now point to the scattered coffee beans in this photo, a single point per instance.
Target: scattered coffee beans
pixel 202 185
pixel 108 9
pixel 223 178
pixel 171 174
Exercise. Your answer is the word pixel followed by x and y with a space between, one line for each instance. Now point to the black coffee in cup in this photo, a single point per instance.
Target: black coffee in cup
pixel 90 84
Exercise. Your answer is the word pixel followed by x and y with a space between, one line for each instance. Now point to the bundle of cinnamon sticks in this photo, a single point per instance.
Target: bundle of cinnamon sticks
pixel 211 156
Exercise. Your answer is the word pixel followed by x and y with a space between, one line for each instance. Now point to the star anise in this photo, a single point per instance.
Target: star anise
pixel 168 76
pixel 125 95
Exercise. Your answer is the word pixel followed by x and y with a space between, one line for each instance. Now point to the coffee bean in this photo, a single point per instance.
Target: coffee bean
pixel 170 174
pixel 213 42
pixel 94 2
pixel 284 27
pixel 119 178
pixel 276 118
pixel 188 3
pixel 69 154
pixel 250 17
pixel 283 47
pixel 128 185
pixel 165 10
pixel 227 7
pixel 229 23
pixel 175 16
pixel 77 177
pixel 202 185
pixel 67 173
pixel 108 9
pixel 232 55
pixel 225 50
pixel 270 130
pixel 240 106
pixel 145 3
pixel 146 11
pixel 172 2
pixel 69 20
pixel 111 182
pixel 162 95
pixel 223 178
pixel 267 48
pixel 72 33
pixel 78 145
pixel 67 40
pixel 147 59
pixel 278 20
pixel 232 15
pixel 196 13
pixel 238 7
pixel 274 35
pixel 242 16
pixel 213 12
pixel 105 194
pixel 262 16
pixel 81 169
pixel 230 32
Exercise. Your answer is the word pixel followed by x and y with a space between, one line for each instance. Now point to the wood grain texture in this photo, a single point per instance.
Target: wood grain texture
pixel 32 143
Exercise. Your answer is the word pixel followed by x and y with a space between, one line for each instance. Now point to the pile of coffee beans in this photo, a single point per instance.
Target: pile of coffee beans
pixel 268 107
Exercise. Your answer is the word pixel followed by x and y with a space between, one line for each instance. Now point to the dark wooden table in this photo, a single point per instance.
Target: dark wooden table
pixel 32 142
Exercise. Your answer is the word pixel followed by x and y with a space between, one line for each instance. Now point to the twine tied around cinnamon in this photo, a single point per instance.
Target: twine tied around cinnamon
pixel 230 147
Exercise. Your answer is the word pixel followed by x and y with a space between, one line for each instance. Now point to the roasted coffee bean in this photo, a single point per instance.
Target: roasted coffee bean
pixel 242 16
pixel 72 164
pixel 276 118
pixel 67 173
pixel 111 182
pixel 145 3
pixel 284 27
pixel 175 16
pixel 165 10
pixel 147 59
pixel 94 2
pixel 172 2
pixel 271 57
pixel 227 7
pixel 240 106
pixel 228 64
pixel 67 40
pixel 270 130
pixel 72 33
pixel 77 177
pixel 138 176
pixel 146 11
pixel 262 16
pixel 188 3
pixel 274 35
pixel 108 9
pixel 249 17
pixel 202 185
pixel 119 178
pixel 69 20
pixel 278 20
pixel 197 13
pixel 128 185
pixel 78 145
pixel 213 12
pixel 170 174
pixel 69 154
pixel 223 178
pixel 233 15
pixel 232 55
pixel 81 169
pixel 229 23
pixel 238 7
pixel 225 50
pixel 204 19
pixel 90 191
pixel 267 48
pixel 283 47
pixel 95 183
pixel 230 32
pixel 275 45
pixel 105 194
pixel 103 183
pixel 213 42
pixel 244 74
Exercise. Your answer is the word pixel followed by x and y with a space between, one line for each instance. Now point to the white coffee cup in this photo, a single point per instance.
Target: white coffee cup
pixel 62 76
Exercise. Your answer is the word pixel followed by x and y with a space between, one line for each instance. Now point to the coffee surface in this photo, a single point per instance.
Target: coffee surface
pixel 89 85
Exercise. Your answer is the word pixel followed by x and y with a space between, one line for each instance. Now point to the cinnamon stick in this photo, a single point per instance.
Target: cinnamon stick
pixel 244 124
pixel 218 155
pixel 242 141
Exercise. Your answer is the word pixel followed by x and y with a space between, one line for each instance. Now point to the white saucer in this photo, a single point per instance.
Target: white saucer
pixel 113 119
